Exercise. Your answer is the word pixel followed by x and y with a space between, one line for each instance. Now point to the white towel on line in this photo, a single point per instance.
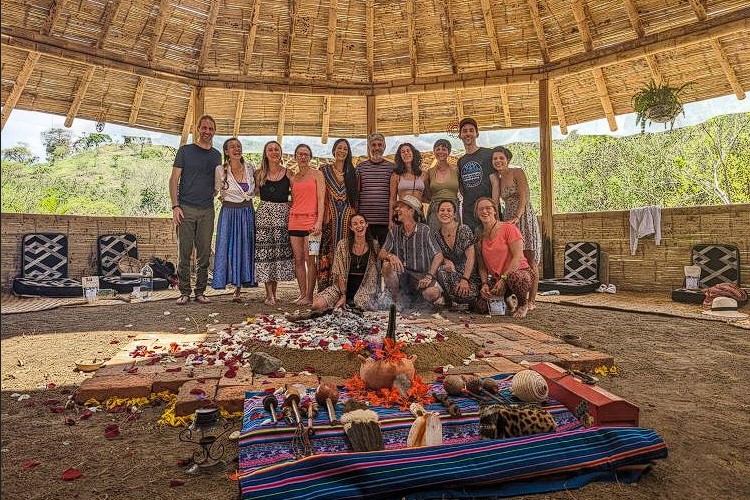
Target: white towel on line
pixel 643 222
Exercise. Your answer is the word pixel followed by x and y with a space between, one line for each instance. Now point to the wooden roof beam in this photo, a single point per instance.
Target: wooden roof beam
pixel 208 35
pixel 238 113
pixel 459 104
pixel 415 114
pixel 536 19
pixel 449 38
pixel 55 9
pixel 83 86
pixel 187 124
pixel 699 8
pixel 370 19
pixel 21 80
pixel 579 12
pixel 161 21
pixel 293 8
pixel 411 37
pixel 110 11
pixel 250 42
pixel 282 119
pixel 137 99
pixel 635 19
pixel 372 114
pixel 653 67
pixel 601 89
pixel 506 105
pixel 727 68
pixel 326 119
pixel 489 25
pixel 559 110
pixel 331 44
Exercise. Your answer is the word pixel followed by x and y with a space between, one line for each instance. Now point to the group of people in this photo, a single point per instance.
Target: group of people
pixel 360 236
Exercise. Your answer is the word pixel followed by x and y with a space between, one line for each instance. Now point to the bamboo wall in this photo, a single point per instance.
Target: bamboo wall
pixel 652 268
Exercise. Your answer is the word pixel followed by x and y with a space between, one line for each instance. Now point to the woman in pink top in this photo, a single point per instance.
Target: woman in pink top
pixel 503 269
pixel 305 220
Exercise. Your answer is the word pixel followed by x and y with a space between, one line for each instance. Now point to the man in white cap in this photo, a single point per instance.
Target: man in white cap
pixel 374 175
pixel 410 256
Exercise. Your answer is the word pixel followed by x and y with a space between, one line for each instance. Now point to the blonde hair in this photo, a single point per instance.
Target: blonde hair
pixel 263 170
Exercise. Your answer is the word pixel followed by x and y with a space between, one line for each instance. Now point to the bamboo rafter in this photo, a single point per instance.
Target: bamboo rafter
pixel 635 19
pixel 238 113
pixel 293 9
pixel 208 34
pixel 370 20
pixel 331 44
pixel 449 36
pixel 282 119
pixel 579 13
pixel 83 86
pixel 137 99
pixel 538 29
pixel 187 124
pixel 559 109
pixel 489 25
pixel 161 19
pixel 653 67
pixel 21 81
pixel 411 36
pixel 326 120
pixel 699 8
pixel 55 9
pixel 251 36
pixel 601 88
pixel 506 106
pixel 726 66
pixel 110 11
pixel 415 114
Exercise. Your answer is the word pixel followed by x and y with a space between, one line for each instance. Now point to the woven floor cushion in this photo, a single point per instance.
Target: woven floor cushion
pixel 688 296
pixel 113 247
pixel 718 264
pixel 125 285
pixel 57 287
pixel 568 286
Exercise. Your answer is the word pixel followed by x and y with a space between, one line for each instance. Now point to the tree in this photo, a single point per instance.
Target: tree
pixel 57 143
pixel 20 154
pixel 91 140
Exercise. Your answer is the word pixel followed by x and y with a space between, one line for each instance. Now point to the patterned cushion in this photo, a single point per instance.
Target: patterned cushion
pixel 125 285
pixel 58 287
pixel 718 263
pixel 581 270
pixel 45 256
pixel 111 248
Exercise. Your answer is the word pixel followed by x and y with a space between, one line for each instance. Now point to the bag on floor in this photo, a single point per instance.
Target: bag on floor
pixel 725 290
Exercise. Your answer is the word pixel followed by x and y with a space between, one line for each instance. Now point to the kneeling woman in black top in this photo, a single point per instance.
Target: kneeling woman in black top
pixel 356 270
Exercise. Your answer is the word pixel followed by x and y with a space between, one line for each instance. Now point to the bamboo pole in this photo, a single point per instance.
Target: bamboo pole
pixel 372 115
pixel 137 99
pixel 238 113
pixel 83 86
pixel 545 158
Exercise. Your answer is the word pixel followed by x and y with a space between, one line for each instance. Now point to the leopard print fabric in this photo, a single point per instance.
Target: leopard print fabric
pixel 502 421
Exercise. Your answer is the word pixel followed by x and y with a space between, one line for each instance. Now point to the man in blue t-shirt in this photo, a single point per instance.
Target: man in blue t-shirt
pixel 474 169
pixel 191 189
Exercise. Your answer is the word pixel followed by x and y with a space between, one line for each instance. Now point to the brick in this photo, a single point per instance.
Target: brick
pixel 585 361
pixel 535 358
pixel 171 381
pixel 529 332
pixel 508 352
pixel 121 386
pixel 470 369
pixel 503 365
pixel 231 398
pixel 512 335
pixel 244 376
pixel 337 381
pixel 187 403
pixel 113 369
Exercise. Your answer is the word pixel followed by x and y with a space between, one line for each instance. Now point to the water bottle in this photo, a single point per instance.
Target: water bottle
pixel 147 282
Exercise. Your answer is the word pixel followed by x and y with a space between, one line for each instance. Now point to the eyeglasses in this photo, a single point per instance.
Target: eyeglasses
pixel 306 155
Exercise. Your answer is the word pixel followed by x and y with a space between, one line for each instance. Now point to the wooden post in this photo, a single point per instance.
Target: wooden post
pixel 372 117
pixel 545 159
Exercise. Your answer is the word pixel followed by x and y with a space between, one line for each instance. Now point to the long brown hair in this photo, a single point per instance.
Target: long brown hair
pixel 264 162
pixel 225 147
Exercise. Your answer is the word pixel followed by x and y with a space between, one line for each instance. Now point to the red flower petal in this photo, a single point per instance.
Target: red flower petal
pixel 133 370
pixel 184 461
pixel 235 476
pixel 230 374
pixel 114 341
pixel 57 409
pixel 276 375
pixel 70 421
pixel 175 369
pixel 198 392
pixel 111 431
pixel 439 369
pixel 71 474
pixel 176 482
pixel 86 414
pixel 30 464
pixel 269 390
pixel 51 385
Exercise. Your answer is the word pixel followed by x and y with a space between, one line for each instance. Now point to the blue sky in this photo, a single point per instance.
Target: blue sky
pixel 27 126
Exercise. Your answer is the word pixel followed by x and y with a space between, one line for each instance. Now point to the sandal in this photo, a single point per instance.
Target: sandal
pixel 183 300
pixel 202 299
pixel 237 299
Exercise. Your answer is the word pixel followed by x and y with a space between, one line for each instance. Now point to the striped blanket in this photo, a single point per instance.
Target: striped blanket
pixel 463 466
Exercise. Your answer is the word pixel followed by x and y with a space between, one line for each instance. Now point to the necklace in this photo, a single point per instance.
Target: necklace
pixel 278 175
pixel 488 234
pixel 360 261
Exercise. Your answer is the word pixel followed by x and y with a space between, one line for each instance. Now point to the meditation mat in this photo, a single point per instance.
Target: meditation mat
pixel 461 465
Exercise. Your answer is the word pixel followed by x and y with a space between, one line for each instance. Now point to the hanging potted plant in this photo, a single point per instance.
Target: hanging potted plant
pixel 658 103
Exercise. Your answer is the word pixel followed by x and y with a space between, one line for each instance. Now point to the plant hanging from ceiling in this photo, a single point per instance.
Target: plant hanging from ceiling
pixel 658 103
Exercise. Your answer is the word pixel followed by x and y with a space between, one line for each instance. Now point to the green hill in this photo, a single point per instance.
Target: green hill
pixel 706 164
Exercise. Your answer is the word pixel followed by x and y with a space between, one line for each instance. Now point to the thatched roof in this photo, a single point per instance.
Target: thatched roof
pixel 324 68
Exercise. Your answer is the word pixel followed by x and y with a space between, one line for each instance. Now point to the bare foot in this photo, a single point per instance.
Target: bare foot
pixel 531 305
pixel 303 302
pixel 520 312
pixel 270 301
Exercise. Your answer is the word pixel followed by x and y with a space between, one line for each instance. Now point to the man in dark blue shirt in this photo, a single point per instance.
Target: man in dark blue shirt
pixel 474 169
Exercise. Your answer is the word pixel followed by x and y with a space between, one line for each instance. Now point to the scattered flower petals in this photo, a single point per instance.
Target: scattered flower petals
pixel 24 396
pixel 234 476
pixel 71 474
pixel 86 414
pixel 57 409
pixel 198 392
pixel 167 313
pixel 111 431
pixel 175 482
pixel 30 464
pixel 69 421
pixel 114 341
pixel 213 315
pixel 51 385
pixel 184 461
pixel 129 325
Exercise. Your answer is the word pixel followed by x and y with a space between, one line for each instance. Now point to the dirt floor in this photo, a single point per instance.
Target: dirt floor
pixel 687 376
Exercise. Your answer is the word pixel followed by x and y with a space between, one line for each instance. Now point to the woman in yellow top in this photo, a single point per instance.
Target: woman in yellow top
pixel 441 183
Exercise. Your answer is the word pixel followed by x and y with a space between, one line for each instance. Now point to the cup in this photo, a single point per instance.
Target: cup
pixel 313 244
pixel 692 277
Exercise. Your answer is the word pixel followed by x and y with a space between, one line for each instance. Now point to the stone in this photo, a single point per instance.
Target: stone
pixel 503 365
pixel 172 381
pixel 263 363
pixel 231 398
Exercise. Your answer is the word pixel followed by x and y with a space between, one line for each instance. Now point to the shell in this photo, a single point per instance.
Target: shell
pixel 380 374
pixel 529 386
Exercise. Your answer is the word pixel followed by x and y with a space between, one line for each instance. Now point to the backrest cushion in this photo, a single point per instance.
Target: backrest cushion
pixel 582 260
pixel 718 263
pixel 113 247
pixel 44 256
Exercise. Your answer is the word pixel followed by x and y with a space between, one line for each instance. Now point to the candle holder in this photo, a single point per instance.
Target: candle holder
pixel 207 432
